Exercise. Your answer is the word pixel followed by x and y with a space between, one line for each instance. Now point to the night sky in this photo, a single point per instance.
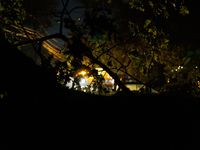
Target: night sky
pixel 75 15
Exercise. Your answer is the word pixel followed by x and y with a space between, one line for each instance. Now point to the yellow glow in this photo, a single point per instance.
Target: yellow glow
pixel 51 47
pixel 82 73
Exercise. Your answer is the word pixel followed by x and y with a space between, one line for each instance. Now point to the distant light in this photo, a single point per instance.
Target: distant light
pixel 181 67
pixel 82 72
pixel 117 87
pixel 175 69
pixel 99 69
pixel 112 81
pixel 99 73
pixel 196 67
pixel 79 18
pixel 82 80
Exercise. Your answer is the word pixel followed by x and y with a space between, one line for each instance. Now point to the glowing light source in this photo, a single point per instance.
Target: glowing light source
pixel 83 73
pixel 82 80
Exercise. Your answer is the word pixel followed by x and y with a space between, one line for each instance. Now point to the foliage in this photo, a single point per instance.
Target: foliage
pixel 103 39
pixel 12 14
pixel 40 12
pixel 141 57
pixel 183 70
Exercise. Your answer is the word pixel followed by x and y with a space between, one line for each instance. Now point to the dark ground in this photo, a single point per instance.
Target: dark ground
pixel 98 122
pixel 37 114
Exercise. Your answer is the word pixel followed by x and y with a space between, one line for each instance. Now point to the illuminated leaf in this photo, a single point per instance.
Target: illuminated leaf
pixel 147 22
pixel 1 7
pixel 151 4
pixel 109 1
pixel 187 61
pixel 184 10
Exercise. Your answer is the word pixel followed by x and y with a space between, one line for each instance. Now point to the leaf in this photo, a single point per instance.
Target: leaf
pixel 198 71
pixel 1 7
pixel 147 22
pixel 151 4
pixel 187 61
pixel 109 1
pixel 184 10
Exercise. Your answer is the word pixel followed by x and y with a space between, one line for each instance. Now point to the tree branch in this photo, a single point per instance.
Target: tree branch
pixel 115 46
pixel 133 77
pixel 57 35
pixel 27 36
pixel 54 14
pixel 115 77
pixel 62 14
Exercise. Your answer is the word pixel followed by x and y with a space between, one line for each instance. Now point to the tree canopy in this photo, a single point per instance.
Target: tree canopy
pixel 150 41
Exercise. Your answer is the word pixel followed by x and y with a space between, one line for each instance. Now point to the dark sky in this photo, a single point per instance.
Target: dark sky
pixel 75 15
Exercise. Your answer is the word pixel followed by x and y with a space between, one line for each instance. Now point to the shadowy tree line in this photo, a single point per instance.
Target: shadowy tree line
pixel 139 41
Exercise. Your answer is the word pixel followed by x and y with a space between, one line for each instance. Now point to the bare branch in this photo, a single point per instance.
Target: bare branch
pixel 133 77
pixel 54 14
pixel 57 35
pixel 115 46
pixel 117 80
pixel 61 17
pixel 122 66
pixel 27 35
pixel 63 3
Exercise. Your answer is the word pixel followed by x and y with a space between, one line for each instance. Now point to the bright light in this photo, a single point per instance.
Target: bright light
pixel 175 69
pixel 82 72
pixel 99 73
pixel 112 81
pixel 99 69
pixel 82 80
pixel 181 67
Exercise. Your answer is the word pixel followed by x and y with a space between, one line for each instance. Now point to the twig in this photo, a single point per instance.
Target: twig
pixel 27 36
pixel 61 17
pixel 57 35
pixel 115 46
